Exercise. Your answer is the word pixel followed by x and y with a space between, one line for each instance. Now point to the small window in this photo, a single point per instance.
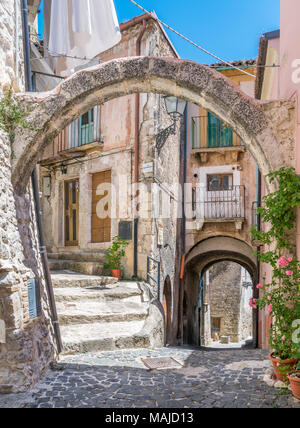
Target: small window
pixel 87 118
pixel 219 182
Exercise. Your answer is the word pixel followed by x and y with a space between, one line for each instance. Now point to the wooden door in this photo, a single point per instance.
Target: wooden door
pixel 101 227
pixel 71 212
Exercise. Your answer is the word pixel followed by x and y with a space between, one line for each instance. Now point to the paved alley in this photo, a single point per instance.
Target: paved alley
pixel 119 379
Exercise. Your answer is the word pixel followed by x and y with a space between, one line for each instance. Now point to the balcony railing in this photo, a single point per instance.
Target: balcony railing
pixel 221 204
pixel 78 134
pixel 210 132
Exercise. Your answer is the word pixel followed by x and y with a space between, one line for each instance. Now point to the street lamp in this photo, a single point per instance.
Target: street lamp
pixel 175 108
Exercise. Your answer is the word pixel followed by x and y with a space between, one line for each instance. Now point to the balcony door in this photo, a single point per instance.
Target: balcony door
pixel 86 128
pixel 71 212
pixel 223 200
pixel 219 135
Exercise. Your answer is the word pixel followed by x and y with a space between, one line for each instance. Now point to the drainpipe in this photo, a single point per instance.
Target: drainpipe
pixel 137 154
pixel 258 197
pixel 183 232
pixel 35 188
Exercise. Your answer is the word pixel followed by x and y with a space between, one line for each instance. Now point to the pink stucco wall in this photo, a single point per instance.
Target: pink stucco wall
pixel 283 83
pixel 290 70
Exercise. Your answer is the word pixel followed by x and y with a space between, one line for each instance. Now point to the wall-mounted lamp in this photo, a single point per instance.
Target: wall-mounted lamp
pixel 175 108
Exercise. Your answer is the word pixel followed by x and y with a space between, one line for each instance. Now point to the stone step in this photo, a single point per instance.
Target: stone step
pixel 70 279
pixel 95 256
pixel 120 292
pixel 84 267
pixel 91 311
pixel 104 337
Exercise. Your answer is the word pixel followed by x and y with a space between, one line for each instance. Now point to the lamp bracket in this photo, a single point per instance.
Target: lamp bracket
pixel 163 135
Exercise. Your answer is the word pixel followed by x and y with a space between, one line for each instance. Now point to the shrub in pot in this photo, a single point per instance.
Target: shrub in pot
pixel 294 379
pixel 114 255
pixel 280 297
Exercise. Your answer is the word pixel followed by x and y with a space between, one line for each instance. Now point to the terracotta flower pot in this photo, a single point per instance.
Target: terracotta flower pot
pixel 282 367
pixel 295 383
pixel 117 273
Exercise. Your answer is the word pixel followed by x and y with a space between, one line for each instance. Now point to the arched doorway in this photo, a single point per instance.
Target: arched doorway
pixel 199 261
pixel 167 305
pixel 226 318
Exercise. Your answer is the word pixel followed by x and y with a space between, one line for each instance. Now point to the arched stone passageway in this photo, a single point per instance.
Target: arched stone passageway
pixel 199 259
pixel 258 125
pixel 49 113
pixel 227 318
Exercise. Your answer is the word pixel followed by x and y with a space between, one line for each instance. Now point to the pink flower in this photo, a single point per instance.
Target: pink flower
pixel 283 338
pixel 289 272
pixel 269 298
pixel 258 286
pixel 283 262
pixel 251 303
pixel 270 308
pixel 290 259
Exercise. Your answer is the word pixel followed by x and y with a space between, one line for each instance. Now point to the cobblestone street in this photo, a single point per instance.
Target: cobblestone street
pixel 209 378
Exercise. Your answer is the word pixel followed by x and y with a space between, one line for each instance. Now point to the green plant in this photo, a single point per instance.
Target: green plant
pixel 11 115
pixel 115 253
pixel 281 296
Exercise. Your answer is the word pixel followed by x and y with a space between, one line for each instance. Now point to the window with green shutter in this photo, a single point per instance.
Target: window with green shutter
pixel 219 135
pixel 86 128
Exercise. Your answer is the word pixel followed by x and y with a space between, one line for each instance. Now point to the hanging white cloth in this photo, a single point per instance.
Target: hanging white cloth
pixel 82 22
pixel 59 41
pixel 83 28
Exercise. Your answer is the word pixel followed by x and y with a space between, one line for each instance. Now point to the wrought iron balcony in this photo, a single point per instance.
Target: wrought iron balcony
pixel 210 132
pixel 220 204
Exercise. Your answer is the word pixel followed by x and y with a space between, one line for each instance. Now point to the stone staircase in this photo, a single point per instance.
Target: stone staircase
pixel 86 263
pixel 97 313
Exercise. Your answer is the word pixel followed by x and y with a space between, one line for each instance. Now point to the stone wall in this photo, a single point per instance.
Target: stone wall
pixel 229 301
pixel 26 345
pixel 11 46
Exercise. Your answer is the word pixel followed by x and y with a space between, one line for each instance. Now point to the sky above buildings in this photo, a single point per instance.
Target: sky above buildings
pixel 230 29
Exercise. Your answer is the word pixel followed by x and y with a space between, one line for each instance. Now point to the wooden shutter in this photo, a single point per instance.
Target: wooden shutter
pixel 101 228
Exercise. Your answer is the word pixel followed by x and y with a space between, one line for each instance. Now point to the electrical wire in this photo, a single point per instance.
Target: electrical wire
pixel 189 40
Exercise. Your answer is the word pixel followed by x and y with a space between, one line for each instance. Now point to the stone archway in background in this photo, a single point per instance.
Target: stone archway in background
pixel 256 123
pixel 202 256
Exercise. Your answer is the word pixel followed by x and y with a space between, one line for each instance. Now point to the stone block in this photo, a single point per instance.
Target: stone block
pixel 225 339
pixel 2 332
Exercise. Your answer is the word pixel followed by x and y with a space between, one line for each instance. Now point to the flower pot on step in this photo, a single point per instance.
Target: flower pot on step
pixel 294 379
pixel 117 273
pixel 282 367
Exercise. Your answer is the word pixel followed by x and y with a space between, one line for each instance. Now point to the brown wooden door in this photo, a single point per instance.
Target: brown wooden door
pixel 101 227
pixel 71 212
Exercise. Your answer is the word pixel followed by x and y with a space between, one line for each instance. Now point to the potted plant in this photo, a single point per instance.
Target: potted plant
pixel 280 297
pixel 114 255
pixel 294 378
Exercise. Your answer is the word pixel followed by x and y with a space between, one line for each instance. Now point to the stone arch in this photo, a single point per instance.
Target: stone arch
pixel 167 305
pixel 202 256
pixel 221 248
pixel 49 113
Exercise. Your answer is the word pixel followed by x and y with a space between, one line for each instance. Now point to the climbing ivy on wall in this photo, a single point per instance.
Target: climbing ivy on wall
pixel 281 296
pixel 11 115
